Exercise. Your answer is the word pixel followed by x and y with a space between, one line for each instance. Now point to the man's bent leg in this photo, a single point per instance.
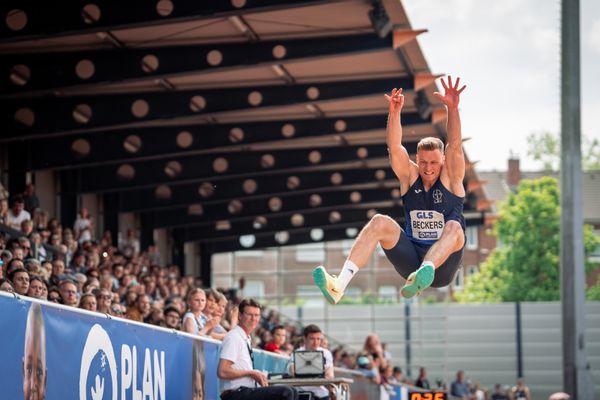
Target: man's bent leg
pixel 380 229
pixel 452 240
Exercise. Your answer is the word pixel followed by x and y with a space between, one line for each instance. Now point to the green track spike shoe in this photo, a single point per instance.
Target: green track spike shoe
pixel 418 281
pixel 328 284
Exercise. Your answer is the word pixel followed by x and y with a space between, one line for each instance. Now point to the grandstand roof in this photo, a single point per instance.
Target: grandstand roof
pixel 218 119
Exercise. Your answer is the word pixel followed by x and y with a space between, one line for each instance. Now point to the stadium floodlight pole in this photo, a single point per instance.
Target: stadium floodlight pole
pixel 576 374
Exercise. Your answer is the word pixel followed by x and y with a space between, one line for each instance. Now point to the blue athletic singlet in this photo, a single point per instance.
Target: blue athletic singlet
pixel 426 212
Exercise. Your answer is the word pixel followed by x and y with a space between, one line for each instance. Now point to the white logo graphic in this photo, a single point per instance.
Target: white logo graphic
pixel 417 191
pixel 437 196
pixel 98 349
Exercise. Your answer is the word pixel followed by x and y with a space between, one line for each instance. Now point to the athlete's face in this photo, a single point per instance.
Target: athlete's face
pixel 430 164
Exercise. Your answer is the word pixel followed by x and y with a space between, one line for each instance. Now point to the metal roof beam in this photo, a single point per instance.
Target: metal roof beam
pixel 34 20
pixel 275 206
pixel 128 145
pixel 287 238
pixel 283 223
pixel 219 166
pixel 225 190
pixel 298 236
pixel 24 118
pixel 55 70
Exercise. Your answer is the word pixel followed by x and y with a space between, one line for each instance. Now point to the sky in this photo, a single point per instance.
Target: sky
pixel 508 54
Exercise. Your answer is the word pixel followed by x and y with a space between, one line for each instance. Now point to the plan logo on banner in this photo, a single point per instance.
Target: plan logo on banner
pixel 98 373
pixel 98 378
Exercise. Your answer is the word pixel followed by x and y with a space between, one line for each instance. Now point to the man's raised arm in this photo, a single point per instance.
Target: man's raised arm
pixel 455 158
pixel 399 158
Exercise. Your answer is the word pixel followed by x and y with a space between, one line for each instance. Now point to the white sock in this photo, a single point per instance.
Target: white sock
pixel 347 273
pixel 424 263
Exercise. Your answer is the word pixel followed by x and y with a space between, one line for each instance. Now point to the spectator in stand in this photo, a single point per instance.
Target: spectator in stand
pixel 103 301
pixel 25 244
pixel 36 288
pixel 176 301
pixel 27 227
pixel 194 321
pixel 396 377
pixel 68 292
pixel 44 295
pixel 499 393
pixel 83 226
pixel 40 220
pixel 80 280
pixel 117 310
pixel 6 286
pixel 478 392
pixel 373 346
pixel 17 214
pixel 37 249
pixel 156 316
pixel 422 380
pixel 141 310
pixel 5 257
pixel 88 302
pixel 78 262
pixel 212 302
pixel 14 264
pixel 231 315
pixel 58 270
pixel 364 363
pixel 54 295
pixel 219 331
pixel 277 344
pixel 20 280
pixel 90 285
pixel 33 266
pixel 386 375
pixel 347 360
pixel 519 392
pixel 459 387
pixel 30 199
pixel 46 270
pixel 16 250
pixel 4 211
pixel 130 246
pixel 172 318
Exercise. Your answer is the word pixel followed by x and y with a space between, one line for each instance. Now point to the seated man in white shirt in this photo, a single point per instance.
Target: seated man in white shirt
pixel 313 337
pixel 17 214
pixel 240 380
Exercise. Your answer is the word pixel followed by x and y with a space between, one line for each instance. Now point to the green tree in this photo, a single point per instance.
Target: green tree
pixel 545 148
pixel 525 265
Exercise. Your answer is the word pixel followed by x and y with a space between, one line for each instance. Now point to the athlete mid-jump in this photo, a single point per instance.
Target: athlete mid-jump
pixel 429 251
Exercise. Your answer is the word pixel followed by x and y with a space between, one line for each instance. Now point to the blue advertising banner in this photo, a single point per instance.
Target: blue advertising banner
pixel 56 352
